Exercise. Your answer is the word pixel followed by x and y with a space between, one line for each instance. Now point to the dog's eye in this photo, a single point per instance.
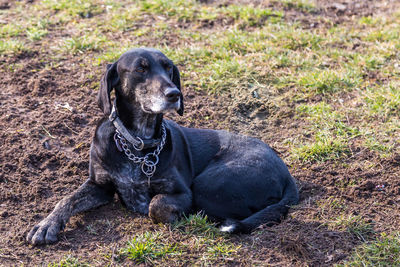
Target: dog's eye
pixel 168 68
pixel 140 70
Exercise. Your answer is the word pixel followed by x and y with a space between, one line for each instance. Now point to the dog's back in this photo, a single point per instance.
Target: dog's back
pixel 238 178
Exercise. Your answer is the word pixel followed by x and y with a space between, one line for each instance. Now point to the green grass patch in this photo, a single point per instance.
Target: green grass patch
pixel 110 56
pixel 198 225
pixel 248 15
pixel 383 101
pixel 292 38
pixel 329 81
pixel 330 205
pixel 69 261
pixel 38 29
pixel 220 70
pixel 181 9
pixel 148 247
pixel 325 147
pixel 384 251
pixel 79 45
pixel 192 235
pixel 301 5
pixel 331 133
pixel 370 21
pixel 385 148
pixel 124 20
pixel 223 250
pixel 228 62
pixel 355 225
pixel 211 243
pixel 74 8
pixel 10 30
pixel 193 11
pixel 323 117
pixel 35 34
pixel 12 46
pixel 382 35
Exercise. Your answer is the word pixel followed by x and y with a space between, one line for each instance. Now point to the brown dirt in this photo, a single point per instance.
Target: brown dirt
pixel 326 13
pixel 48 116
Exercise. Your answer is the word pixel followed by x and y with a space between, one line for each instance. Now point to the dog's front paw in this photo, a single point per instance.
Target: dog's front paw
pixel 45 232
pixel 160 211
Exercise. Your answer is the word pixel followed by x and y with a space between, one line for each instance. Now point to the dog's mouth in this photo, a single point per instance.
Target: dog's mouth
pixel 147 110
pixel 161 107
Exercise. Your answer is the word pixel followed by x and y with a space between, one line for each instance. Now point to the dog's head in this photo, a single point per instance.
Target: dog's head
pixel 146 77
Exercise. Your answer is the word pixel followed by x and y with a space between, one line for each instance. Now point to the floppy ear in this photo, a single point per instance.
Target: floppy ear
pixel 176 79
pixel 109 80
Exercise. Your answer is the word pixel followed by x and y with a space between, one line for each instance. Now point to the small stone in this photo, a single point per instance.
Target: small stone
pixel 46 145
pixel 339 6
pixel 390 202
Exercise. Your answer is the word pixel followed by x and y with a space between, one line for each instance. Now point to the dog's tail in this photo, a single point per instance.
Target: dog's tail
pixel 268 216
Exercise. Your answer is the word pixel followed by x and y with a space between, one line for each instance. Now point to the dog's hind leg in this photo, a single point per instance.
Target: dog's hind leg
pixel 270 215
pixel 87 196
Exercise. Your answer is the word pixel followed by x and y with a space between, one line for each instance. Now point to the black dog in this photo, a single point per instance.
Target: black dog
pixel 162 169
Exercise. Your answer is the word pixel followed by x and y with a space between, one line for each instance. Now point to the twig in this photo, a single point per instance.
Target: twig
pixel 48 132
pixel 75 132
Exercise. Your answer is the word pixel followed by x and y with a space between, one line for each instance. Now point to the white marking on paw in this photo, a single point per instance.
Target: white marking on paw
pixel 227 229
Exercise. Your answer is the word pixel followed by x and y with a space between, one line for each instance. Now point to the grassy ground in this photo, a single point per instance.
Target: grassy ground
pixel 317 81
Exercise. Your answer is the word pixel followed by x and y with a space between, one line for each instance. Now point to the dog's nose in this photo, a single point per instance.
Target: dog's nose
pixel 172 94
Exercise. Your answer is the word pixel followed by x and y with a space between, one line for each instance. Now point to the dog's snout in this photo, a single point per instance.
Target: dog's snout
pixel 172 94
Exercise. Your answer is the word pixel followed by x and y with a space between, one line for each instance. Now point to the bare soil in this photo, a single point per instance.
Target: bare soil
pixel 48 117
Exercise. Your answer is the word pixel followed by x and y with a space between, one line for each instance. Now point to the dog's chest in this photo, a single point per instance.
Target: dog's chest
pixel 136 189
pixel 132 188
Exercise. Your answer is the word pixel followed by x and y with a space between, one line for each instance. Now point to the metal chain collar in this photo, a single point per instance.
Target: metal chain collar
pixel 149 161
